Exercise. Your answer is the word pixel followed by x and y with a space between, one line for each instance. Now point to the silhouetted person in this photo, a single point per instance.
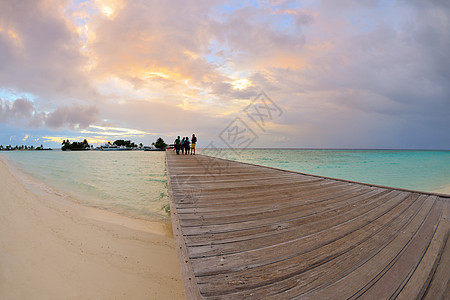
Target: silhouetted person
pixel 182 145
pixel 187 146
pixel 194 142
pixel 177 145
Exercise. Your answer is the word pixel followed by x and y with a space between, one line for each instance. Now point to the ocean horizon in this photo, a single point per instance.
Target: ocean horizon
pixel 134 183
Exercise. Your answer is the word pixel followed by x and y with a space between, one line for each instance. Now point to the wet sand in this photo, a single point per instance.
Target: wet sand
pixel 52 248
pixel 444 190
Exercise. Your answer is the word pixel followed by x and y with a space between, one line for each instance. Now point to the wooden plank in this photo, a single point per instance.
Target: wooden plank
pixel 249 233
pixel 299 228
pixel 288 211
pixel 397 273
pixel 419 282
pixel 440 284
pixel 314 269
pixel 354 283
pixel 218 194
pixel 284 200
pixel 215 195
pixel 311 221
pixel 187 274
pixel 439 287
pixel 244 231
pixel 231 199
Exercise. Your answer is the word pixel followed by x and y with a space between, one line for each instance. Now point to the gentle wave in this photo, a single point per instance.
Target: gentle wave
pixel 132 182
pixel 135 183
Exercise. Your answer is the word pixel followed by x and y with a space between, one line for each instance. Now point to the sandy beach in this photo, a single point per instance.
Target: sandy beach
pixel 444 190
pixel 52 248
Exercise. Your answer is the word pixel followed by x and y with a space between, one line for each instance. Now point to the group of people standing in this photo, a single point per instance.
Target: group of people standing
pixel 185 145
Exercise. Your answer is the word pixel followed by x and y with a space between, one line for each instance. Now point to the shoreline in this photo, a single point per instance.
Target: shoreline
pixel 444 190
pixel 32 181
pixel 51 247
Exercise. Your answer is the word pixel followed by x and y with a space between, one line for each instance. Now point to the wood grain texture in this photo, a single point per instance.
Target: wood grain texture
pixel 251 232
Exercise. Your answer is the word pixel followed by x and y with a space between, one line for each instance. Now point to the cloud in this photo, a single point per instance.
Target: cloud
pixel 22 113
pixel 356 73
pixel 226 90
pixel 115 131
pixel 40 51
pixel 365 86
pixel 261 37
pixel 74 117
pixel 148 38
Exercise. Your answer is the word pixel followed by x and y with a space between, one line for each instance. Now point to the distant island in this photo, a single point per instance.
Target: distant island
pixel 75 146
pixel 160 144
pixel 22 148
pixel 117 145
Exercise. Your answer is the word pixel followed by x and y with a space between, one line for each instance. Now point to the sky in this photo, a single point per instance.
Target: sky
pixel 372 74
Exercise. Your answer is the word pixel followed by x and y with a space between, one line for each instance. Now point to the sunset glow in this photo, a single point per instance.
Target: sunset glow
pixel 354 73
pixel 241 84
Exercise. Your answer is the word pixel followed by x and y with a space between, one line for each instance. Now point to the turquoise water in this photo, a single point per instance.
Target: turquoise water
pixel 417 170
pixel 129 182
pixel 135 183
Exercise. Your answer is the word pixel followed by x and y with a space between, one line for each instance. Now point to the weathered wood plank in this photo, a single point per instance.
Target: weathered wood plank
pixel 397 273
pixel 286 199
pixel 300 228
pixel 275 211
pixel 249 233
pixel 420 280
pixel 244 231
pixel 315 269
pixel 295 220
pixel 228 198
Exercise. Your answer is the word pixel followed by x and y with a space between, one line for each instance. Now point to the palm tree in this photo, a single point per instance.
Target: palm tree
pixel 160 144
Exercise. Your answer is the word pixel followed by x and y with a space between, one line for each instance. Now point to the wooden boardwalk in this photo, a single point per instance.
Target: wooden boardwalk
pixel 245 231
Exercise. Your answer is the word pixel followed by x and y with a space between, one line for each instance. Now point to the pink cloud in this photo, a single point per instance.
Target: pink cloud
pixel 23 113
pixel 157 65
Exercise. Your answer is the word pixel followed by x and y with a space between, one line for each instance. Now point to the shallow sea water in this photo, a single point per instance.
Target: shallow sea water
pixel 417 170
pixel 129 182
pixel 134 182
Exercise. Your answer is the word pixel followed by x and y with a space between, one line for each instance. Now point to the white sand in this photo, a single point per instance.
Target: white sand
pixel 51 248
pixel 444 190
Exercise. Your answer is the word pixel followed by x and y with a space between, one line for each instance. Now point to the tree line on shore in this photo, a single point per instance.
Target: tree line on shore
pixel 22 147
pixel 67 145
pixel 84 145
